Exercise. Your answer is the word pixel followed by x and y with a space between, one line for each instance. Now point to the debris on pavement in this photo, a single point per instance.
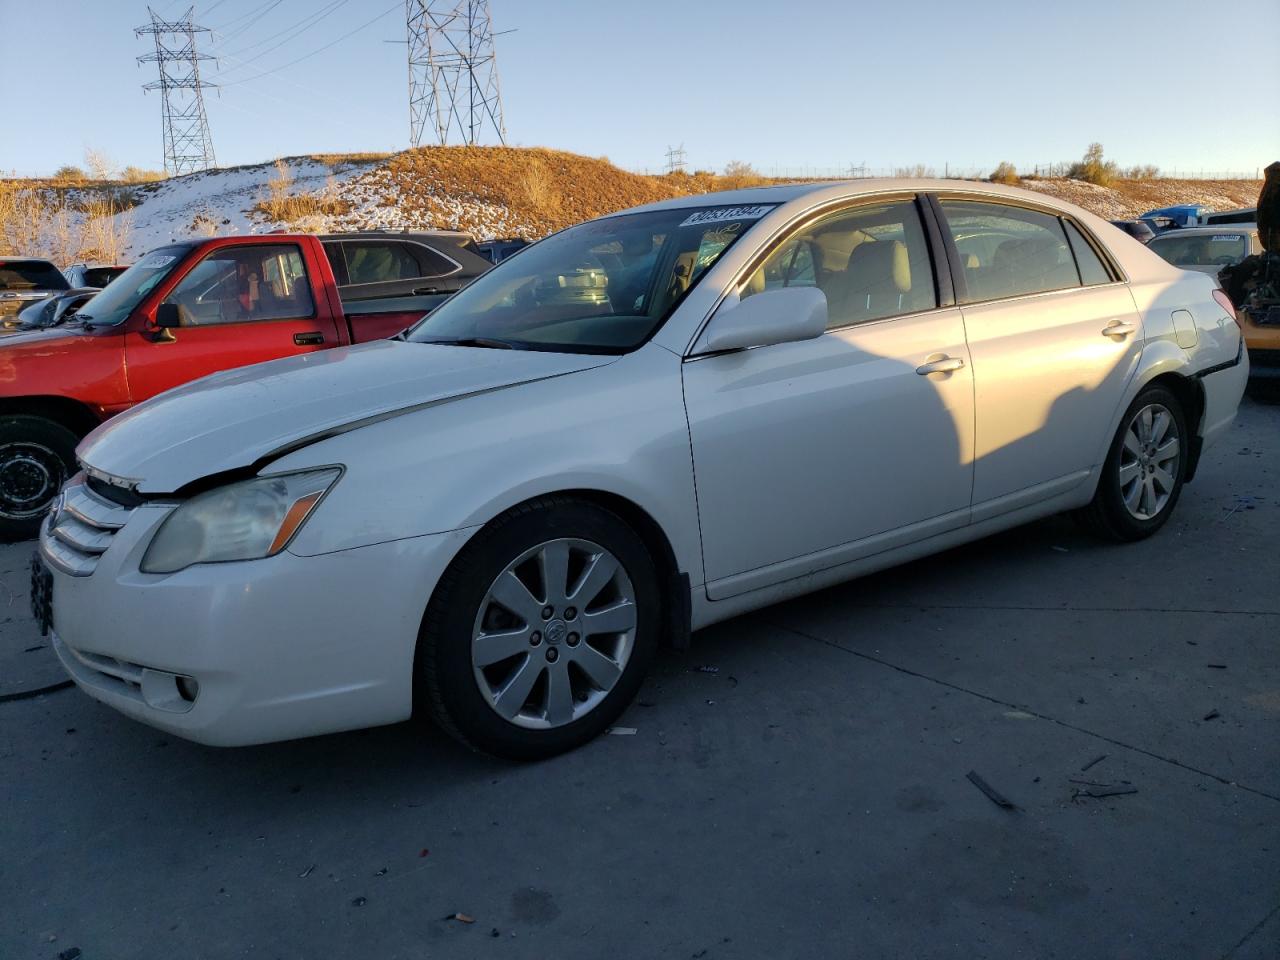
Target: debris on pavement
pixel 999 799
pixel 1212 715
pixel 307 872
pixel 460 917
pixel 381 873
pixel 1060 549
pixel 495 932
pixel 1105 790
pixel 1094 762
pixel 622 731
pixel 706 668
pixel 424 852
pixel 1216 666
pixel 73 953
pixel 359 901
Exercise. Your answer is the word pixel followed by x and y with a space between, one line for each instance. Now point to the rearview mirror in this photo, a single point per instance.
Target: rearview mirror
pixel 168 316
pixel 785 315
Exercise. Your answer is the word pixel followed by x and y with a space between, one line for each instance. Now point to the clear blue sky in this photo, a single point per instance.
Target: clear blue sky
pixel 815 83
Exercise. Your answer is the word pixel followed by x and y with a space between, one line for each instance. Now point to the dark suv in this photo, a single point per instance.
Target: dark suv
pixel 24 280
pixel 385 271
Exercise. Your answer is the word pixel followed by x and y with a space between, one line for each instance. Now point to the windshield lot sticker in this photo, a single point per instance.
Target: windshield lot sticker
pixel 156 261
pixel 752 212
pixel 1226 237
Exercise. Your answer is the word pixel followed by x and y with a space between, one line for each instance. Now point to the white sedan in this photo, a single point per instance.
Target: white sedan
pixel 636 427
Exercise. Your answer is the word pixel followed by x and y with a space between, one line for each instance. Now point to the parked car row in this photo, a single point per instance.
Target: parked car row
pixel 639 426
pixel 187 310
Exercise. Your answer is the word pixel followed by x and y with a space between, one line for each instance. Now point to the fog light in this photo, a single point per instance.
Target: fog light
pixel 188 689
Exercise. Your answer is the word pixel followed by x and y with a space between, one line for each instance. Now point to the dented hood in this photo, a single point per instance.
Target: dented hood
pixel 235 419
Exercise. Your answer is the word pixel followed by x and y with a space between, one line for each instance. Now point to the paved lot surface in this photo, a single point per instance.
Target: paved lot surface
pixel 807 799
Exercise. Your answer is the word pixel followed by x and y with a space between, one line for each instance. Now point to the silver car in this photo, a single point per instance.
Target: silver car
pixel 1207 249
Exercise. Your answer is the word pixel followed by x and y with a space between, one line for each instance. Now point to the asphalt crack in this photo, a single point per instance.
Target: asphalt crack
pixel 1172 761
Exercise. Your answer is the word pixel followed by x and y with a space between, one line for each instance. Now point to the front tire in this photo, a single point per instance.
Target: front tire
pixel 36 457
pixel 1144 471
pixel 541 630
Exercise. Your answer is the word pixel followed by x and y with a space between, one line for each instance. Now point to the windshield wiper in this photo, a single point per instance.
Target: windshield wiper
pixel 491 342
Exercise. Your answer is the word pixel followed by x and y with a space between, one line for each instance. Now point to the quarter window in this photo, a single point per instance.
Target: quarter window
pixel 238 284
pixel 871 262
pixel 1009 251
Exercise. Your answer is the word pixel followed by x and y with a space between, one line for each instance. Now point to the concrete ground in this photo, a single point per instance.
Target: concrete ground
pixel 807 798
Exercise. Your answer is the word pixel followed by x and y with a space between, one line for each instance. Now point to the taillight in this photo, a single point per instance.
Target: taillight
pixel 1225 302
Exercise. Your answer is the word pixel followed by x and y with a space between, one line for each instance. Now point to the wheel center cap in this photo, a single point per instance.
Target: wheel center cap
pixel 555 631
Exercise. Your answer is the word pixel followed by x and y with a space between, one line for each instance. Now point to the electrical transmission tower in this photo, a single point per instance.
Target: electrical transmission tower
pixel 187 144
pixel 453 72
pixel 676 159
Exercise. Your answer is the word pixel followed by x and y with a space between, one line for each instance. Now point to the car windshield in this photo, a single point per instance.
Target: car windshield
pixel 1201 249
pixel 601 287
pixel 117 301
pixel 30 275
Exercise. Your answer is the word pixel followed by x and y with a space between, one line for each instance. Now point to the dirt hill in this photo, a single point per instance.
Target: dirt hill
pixel 488 191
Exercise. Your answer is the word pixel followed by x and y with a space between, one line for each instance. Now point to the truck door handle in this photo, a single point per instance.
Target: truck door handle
pixel 310 339
pixel 1119 328
pixel 943 364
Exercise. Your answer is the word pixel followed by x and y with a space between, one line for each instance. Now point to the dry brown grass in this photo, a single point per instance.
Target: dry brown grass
pixel 545 189
pixel 342 161
pixel 39 220
pixel 281 205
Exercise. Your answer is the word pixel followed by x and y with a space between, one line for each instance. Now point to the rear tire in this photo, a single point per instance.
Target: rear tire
pixel 36 458
pixel 1144 471
pixel 541 630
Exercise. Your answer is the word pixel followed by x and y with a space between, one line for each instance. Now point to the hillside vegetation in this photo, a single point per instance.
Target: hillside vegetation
pixel 487 191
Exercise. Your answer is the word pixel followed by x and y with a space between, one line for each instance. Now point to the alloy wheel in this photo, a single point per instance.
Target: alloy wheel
pixel 554 633
pixel 1149 461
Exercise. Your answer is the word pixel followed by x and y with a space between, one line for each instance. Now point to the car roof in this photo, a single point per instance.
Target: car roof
pixel 7 259
pixel 815 192
pixel 1212 228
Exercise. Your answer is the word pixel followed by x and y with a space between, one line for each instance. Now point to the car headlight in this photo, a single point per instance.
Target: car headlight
pixel 243 521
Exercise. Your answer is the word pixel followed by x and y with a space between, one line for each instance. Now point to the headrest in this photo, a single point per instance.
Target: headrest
pixel 881 262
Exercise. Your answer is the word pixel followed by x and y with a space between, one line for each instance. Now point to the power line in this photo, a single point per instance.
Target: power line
pixel 319 50
pixel 253 15
pixel 187 144
pixel 295 30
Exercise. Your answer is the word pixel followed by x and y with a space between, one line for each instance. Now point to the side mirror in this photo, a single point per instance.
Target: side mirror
pixel 168 316
pixel 786 315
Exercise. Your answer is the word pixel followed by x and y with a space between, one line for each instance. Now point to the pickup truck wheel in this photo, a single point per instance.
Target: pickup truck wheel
pixel 1143 474
pixel 36 457
pixel 541 630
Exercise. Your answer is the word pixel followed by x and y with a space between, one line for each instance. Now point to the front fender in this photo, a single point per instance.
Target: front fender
pixel 618 429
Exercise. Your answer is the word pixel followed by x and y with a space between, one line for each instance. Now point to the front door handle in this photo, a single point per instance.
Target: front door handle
pixel 311 339
pixel 1119 328
pixel 426 291
pixel 942 364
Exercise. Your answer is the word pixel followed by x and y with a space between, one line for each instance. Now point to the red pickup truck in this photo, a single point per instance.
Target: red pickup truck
pixel 182 311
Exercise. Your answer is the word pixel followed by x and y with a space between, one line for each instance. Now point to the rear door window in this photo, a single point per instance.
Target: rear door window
pixel 1092 270
pixel 1008 251
pixel 374 261
pixel 30 275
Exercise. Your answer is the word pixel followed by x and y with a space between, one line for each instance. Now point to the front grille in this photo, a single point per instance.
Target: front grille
pixel 79 529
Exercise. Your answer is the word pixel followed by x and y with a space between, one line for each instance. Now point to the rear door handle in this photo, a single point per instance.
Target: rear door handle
pixel 311 339
pixel 1119 328
pixel 426 291
pixel 940 365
